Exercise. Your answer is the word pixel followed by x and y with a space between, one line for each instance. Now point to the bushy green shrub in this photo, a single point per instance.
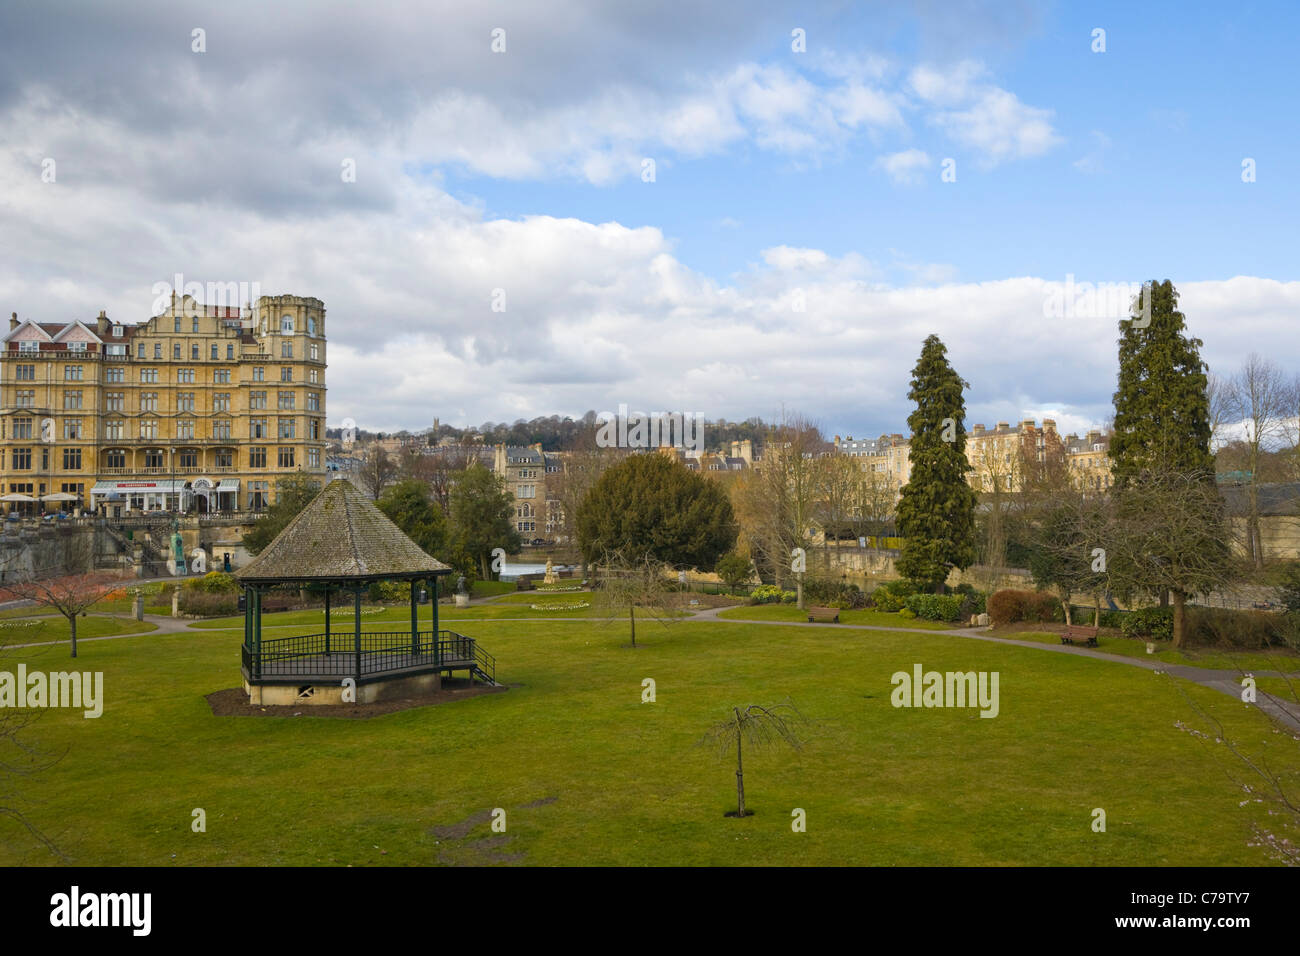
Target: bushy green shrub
pixel 1149 622
pixel 972 601
pixel 214 582
pixel 389 592
pixel 935 607
pixel 765 594
pixel 906 613
pixel 828 592
pixel 1112 619
pixel 892 596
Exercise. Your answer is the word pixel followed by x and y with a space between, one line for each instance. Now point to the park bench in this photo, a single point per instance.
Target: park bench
pixel 525 583
pixel 1074 634
pixel 829 615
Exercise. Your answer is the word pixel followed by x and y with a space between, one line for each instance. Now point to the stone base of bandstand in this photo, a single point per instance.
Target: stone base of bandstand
pixel 331 693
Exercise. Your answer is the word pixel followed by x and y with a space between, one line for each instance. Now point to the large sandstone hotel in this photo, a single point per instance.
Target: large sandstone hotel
pixel 200 408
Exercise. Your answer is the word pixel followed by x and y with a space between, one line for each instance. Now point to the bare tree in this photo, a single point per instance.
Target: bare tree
pixel 71 595
pixel 630 583
pixel 377 470
pixel 445 466
pixel 1260 399
pixel 759 726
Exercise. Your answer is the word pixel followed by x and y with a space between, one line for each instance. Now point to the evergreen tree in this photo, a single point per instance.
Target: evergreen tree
pixel 1162 412
pixel 936 514
pixel 651 507
pixel 482 517
pixel 1169 536
pixel 292 493
pixel 410 506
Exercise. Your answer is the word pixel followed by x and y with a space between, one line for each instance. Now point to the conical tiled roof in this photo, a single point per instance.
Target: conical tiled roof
pixel 340 535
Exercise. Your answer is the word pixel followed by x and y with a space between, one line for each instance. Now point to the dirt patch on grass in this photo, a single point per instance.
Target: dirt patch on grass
pixel 234 703
pixel 455 850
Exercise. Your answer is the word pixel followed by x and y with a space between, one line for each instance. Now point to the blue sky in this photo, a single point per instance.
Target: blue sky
pixel 796 244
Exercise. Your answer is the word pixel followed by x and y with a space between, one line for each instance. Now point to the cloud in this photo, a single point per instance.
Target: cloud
pixel 905 167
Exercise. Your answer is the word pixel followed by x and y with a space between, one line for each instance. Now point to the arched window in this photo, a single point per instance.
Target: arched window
pixel 286 325
pixel 311 326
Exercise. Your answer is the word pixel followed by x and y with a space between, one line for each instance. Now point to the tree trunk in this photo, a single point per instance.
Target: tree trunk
pixel 631 616
pixel 1180 617
pixel 798 587
pixel 1164 598
pixel 740 770
pixel 1065 604
pixel 72 626
pixel 1096 612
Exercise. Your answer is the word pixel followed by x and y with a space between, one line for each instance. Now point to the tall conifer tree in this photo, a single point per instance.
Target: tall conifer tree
pixel 936 514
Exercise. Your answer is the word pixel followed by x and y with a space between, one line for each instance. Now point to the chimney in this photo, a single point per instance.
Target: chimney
pixel 13 321
pixel 1094 437
pixel 1049 424
pixel 1003 426
pixel 977 430
pixel 102 323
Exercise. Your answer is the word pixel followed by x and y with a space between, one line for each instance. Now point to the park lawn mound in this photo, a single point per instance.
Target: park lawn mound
pixel 234 703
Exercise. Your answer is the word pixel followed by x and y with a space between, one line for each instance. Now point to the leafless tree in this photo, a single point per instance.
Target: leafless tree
pixel 377 470
pixel 627 584
pixel 760 727
pixel 1260 400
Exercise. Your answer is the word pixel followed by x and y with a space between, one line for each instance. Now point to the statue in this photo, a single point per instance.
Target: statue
pixel 550 573
pixel 460 585
pixel 462 594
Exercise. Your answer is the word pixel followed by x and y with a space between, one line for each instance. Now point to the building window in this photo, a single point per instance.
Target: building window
pixel 230 351
pixel 194 352
pixel 259 373
pixel 25 373
pixel 72 398
pixel 25 397
pixel 221 401
pixel 313 402
pixel 78 346
pixel 185 376
pixel 194 326
pixel 221 430
pixel 139 350
pixel 115 401
pixel 115 429
pixel 176 352
pixel 22 459
pixel 286 374
pixel 176 324
pixel 311 376
pixel 311 326
pixel 185 429
pixel 157 350
pixel 313 429
pixel 257 495
pixel 285 399
pixel 28 347
pixel 148 376
pixel 115 374
pixel 72 373
pixel 286 325
pixel 153 458
pixel 72 459
pixel 257 458
pixel 72 428
pixel 116 459
pixel 285 458
pixel 148 401
pixel 313 457
pixel 286 350
pixel 288 427
pixel 315 352
pixel 257 428
pixel 189 459
pixel 221 376
pixel 257 399
pixel 184 401
pixel 149 428
pixel 22 428
pixel 225 459
pixel 117 331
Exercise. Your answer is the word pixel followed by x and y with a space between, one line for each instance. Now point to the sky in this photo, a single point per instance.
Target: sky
pixel 523 209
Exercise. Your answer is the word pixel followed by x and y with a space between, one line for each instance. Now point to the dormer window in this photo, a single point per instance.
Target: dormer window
pixel 117 331
pixel 28 346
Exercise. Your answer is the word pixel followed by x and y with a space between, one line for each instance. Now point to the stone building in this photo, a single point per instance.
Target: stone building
pixel 200 408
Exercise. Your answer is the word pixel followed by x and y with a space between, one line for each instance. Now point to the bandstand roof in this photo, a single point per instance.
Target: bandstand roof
pixel 340 536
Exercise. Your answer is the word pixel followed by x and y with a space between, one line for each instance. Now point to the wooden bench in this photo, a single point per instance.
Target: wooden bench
pixel 829 615
pixel 523 583
pixel 1075 634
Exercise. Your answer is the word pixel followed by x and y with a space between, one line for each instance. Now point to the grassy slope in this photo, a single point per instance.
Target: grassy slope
pixel 880 785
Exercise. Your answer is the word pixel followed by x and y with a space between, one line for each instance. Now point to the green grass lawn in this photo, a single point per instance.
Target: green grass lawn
pixel 880 785
pixel 55 628
pixel 788 612
pixel 1272 660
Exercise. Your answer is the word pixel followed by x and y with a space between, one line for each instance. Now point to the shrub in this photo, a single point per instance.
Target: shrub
pixel 972 601
pixel 906 613
pixel 893 595
pixel 1007 606
pixel 828 592
pixel 935 607
pixel 788 597
pixel 207 603
pixel 1112 619
pixel 214 582
pixel 1153 622
pixel 1218 626
pixel 389 591
pixel 734 569
pixel 1043 606
pixel 765 594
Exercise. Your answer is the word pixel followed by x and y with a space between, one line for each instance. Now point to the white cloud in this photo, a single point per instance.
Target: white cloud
pixel 905 167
